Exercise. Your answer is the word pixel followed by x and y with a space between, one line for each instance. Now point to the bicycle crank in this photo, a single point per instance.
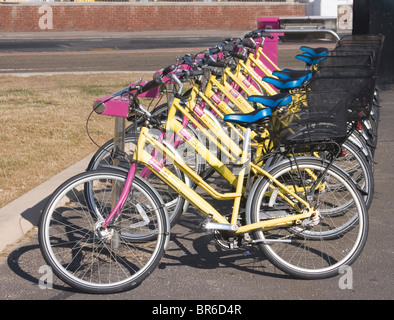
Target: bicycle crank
pixel 207 224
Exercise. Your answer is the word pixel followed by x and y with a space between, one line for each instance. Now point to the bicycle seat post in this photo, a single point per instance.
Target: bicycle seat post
pixel 241 162
pixel 241 168
pixel 245 153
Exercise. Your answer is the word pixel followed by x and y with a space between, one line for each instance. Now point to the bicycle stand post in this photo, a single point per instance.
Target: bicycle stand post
pixel 119 144
pixel 119 136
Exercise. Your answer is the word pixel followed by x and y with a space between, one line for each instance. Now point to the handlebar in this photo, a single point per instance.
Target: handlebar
pixel 158 80
pixel 239 56
pixel 151 84
pixel 226 46
pixel 259 33
pixel 210 61
pixel 186 74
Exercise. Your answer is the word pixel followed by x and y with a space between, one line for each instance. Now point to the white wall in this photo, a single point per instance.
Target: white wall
pixel 324 8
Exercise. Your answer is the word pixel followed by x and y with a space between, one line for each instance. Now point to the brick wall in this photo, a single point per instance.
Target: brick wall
pixel 143 16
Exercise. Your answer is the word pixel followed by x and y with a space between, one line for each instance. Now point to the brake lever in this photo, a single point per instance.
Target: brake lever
pixel 136 86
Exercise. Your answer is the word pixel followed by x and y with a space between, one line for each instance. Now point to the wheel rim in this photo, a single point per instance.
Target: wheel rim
pixel 83 256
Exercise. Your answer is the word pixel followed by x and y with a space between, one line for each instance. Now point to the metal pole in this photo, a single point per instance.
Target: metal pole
pixel 119 143
pixel 333 33
pixel 119 136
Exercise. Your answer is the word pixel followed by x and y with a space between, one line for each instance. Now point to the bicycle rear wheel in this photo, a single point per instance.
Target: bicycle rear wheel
pixel 103 261
pixel 310 249
pixel 356 165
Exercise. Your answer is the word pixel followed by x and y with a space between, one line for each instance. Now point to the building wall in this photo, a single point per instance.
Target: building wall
pixel 24 17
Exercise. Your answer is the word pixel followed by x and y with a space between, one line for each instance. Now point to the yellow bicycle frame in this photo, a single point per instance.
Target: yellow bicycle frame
pixel 208 127
pixel 197 201
pixel 237 182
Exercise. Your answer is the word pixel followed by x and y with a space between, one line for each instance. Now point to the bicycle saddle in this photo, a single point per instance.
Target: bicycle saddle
pixel 247 119
pixel 287 84
pixel 277 100
pixel 289 73
pixel 315 51
pixel 309 60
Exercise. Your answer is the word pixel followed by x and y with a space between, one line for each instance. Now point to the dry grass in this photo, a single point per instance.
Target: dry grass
pixel 43 125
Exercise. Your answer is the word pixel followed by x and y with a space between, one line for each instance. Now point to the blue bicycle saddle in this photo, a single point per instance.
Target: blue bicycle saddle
pixel 308 59
pixel 286 84
pixel 277 100
pixel 315 51
pixel 247 119
pixel 289 73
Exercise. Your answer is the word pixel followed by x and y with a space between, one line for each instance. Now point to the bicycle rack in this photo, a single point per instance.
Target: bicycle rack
pixel 119 138
pixel 333 33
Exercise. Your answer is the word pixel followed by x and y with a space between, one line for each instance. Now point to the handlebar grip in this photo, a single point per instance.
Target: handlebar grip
pixel 196 73
pixel 249 43
pixel 221 48
pixel 239 56
pixel 187 74
pixel 253 34
pixel 219 64
pixel 228 47
pixel 267 35
pixel 168 69
pixel 258 33
pixel 151 84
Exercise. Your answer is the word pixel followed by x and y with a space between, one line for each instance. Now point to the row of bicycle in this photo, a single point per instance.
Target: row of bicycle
pixel 294 147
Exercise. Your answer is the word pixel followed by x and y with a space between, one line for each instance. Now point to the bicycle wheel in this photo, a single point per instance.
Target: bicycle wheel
pixel 312 249
pixel 175 204
pixel 352 161
pixel 103 261
pixel 356 165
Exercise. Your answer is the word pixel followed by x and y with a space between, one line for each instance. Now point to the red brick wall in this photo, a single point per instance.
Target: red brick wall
pixel 144 16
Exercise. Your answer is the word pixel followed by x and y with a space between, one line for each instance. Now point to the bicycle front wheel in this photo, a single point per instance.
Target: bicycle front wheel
pixel 174 202
pixel 310 249
pixel 103 261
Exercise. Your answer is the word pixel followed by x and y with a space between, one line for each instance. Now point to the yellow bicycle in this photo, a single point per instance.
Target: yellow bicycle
pixel 105 231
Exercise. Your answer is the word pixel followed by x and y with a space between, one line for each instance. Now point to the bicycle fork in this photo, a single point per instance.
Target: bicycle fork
pixel 122 198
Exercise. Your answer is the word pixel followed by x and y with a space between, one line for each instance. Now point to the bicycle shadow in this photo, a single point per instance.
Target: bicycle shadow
pixel 26 263
pixel 188 247
pixel 195 248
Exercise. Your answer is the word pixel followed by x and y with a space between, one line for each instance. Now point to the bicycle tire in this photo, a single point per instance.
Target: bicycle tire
pixel 309 251
pixel 79 254
pixel 354 162
pixel 358 167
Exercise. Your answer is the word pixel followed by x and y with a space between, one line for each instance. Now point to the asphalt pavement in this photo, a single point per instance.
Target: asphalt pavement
pixel 70 42
pixel 65 52
pixel 193 267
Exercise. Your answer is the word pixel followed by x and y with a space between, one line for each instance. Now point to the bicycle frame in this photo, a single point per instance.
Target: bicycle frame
pixel 142 156
pixel 195 199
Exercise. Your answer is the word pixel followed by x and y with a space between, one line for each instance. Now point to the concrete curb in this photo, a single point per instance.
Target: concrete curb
pixel 21 215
